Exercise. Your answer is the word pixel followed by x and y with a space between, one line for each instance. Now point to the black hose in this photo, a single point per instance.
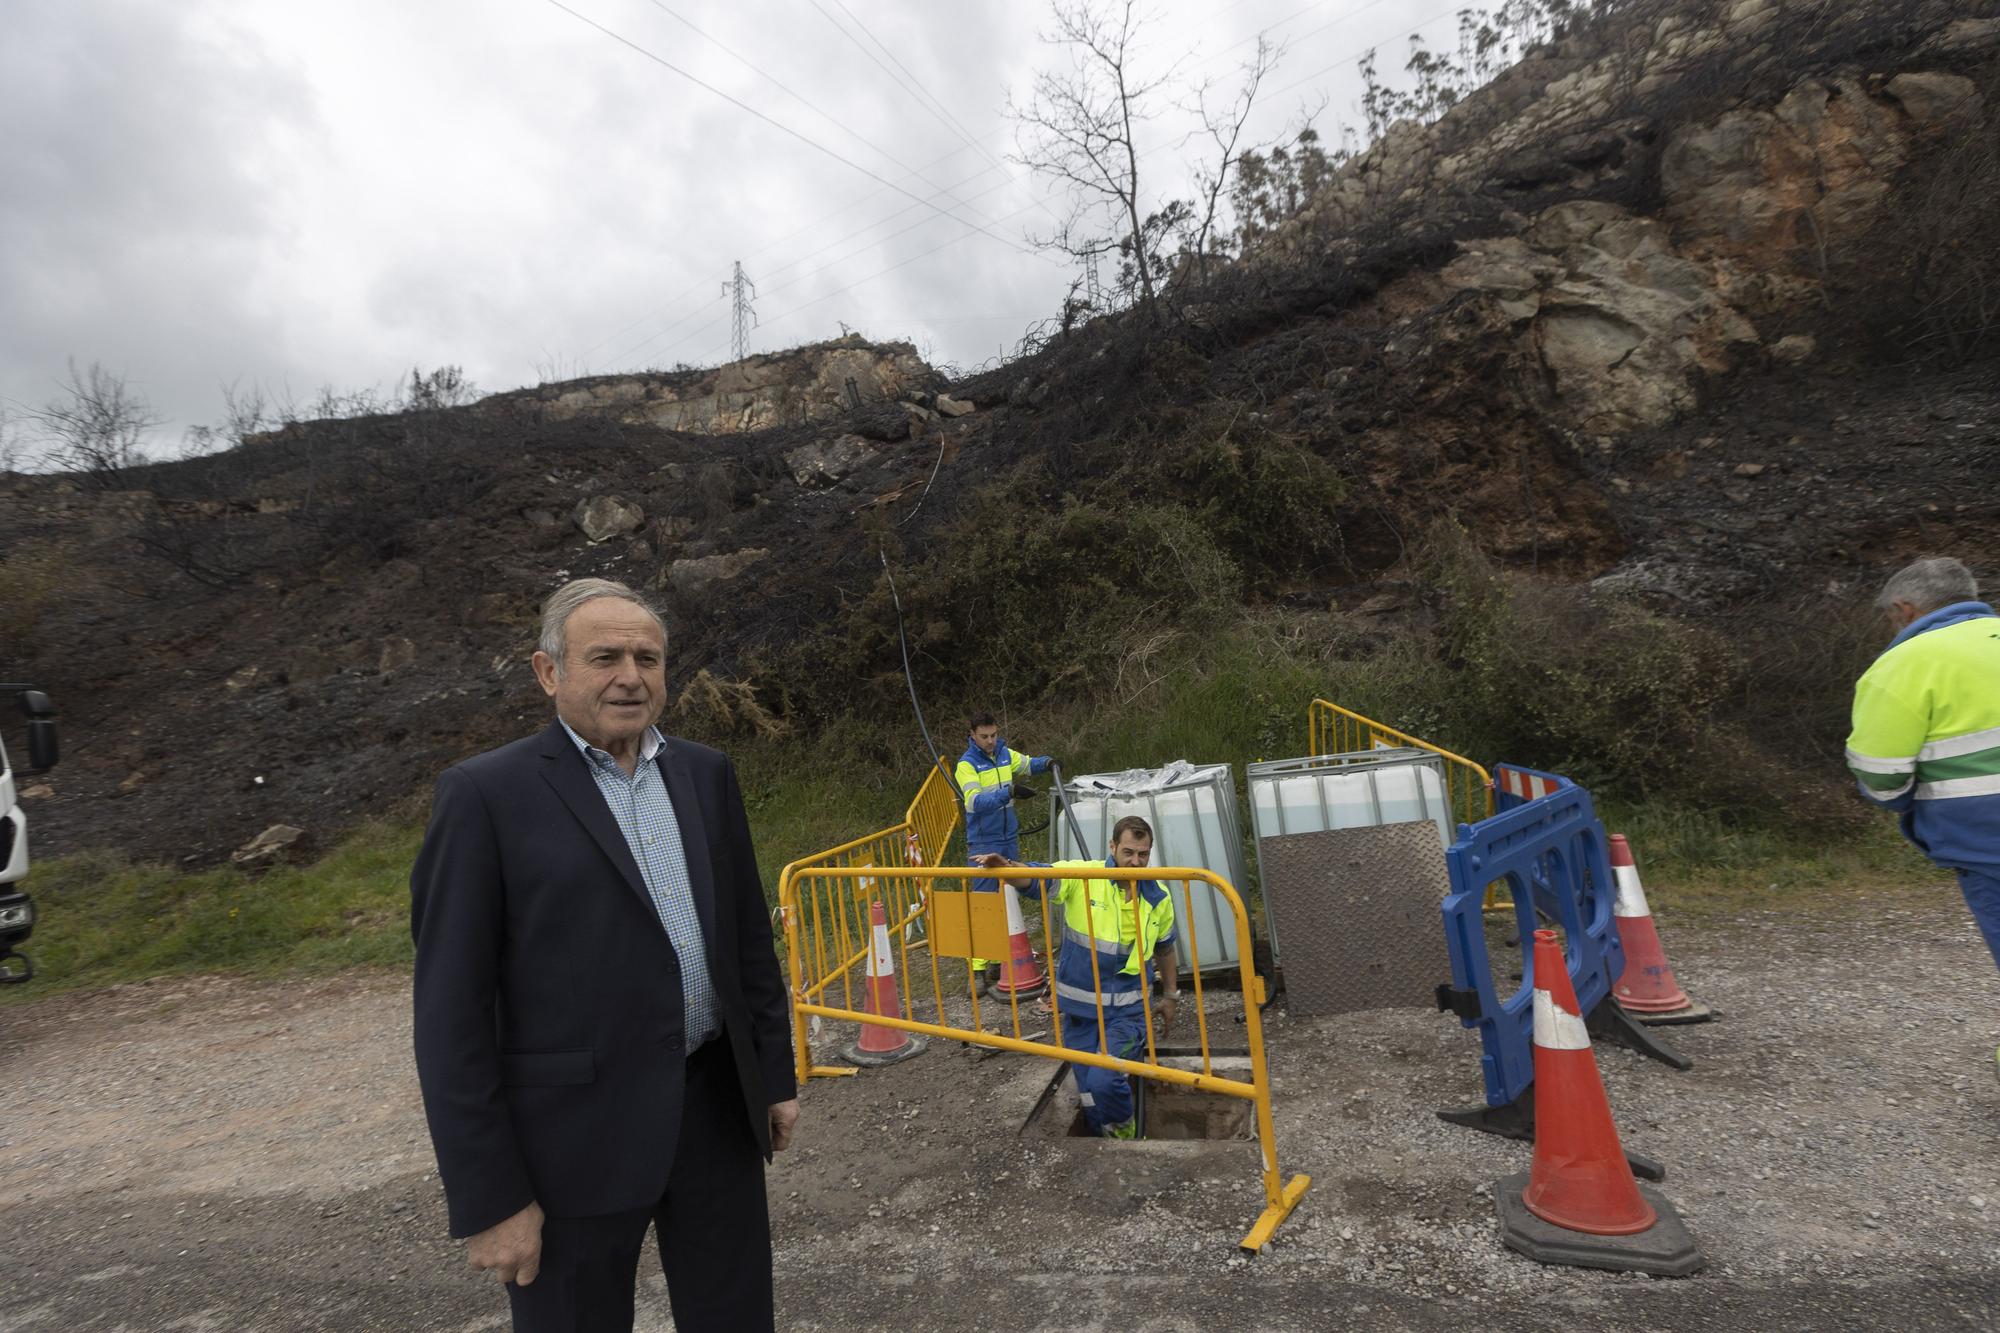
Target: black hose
pixel 910 679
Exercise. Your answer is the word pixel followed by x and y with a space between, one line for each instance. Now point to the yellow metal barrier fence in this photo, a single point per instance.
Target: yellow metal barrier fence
pixel 1331 729
pixel 826 904
pixel 933 816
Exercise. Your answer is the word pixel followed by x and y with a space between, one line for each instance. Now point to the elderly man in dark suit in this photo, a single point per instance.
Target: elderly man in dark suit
pixel 601 1027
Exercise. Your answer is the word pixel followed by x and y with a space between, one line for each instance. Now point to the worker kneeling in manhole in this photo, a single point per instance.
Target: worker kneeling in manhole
pixel 1126 928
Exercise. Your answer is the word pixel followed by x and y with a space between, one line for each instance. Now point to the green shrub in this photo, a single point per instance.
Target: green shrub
pixel 1603 691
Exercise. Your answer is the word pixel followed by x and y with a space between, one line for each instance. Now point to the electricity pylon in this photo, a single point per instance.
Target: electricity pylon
pixel 741 292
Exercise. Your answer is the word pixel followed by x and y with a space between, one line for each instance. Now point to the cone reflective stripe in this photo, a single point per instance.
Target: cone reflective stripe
pixel 1580 1179
pixel 1647 985
pixel 1556 1028
pixel 879 1045
pixel 1018 973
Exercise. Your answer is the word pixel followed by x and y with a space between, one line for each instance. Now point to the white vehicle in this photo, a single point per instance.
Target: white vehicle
pixel 17 911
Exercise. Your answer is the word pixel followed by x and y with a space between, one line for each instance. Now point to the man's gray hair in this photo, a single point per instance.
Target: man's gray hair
pixel 564 601
pixel 1929 584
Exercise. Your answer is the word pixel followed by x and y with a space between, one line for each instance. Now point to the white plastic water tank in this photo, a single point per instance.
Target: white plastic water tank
pixel 1192 811
pixel 1359 790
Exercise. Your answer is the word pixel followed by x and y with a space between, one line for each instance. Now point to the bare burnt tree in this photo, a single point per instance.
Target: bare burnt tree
pixel 98 426
pixel 1077 129
pixel 1222 125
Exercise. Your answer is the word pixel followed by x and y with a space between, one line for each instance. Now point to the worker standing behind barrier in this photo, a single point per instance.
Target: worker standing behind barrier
pixel 986 777
pixel 1129 926
pixel 1926 738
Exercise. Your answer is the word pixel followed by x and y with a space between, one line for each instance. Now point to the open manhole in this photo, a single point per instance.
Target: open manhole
pixel 1168 1112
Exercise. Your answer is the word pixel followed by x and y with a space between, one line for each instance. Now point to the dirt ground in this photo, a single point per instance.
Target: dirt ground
pixel 210 1154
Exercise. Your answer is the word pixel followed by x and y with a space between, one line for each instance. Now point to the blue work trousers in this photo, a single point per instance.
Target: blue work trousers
pixel 1982 894
pixel 1106 1094
pixel 1010 850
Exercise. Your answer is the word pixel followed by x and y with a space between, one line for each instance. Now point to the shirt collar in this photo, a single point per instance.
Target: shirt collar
pixel 1938 619
pixel 649 745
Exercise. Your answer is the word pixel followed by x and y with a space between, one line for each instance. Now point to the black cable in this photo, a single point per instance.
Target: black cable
pixel 910 679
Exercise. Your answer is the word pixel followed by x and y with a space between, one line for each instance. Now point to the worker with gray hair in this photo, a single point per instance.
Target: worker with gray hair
pixel 1926 737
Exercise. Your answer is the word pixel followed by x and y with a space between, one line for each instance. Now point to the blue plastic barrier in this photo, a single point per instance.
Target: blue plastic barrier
pixel 1550 850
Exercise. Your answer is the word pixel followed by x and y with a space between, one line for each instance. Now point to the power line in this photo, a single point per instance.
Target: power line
pixel 792 281
pixel 800 98
pixel 776 124
pixel 928 100
pixel 696 286
pixel 1359 55
pixel 1356 56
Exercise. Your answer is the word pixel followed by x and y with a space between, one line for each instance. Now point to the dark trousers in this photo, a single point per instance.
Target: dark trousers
pixel 713 1227
pixel 1982 895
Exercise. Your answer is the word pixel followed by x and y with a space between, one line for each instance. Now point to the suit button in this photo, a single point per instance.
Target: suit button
pixel 674 1043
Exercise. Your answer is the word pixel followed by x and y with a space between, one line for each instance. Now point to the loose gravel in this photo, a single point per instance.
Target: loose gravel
pixel 221 1154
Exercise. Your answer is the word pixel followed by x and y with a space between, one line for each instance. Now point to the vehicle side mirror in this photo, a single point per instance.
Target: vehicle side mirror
pixel 43 747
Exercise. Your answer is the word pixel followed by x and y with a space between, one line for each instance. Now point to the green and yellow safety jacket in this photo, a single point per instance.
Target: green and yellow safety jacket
pixel 1099 919
pixel 986 784
pixel 1926 738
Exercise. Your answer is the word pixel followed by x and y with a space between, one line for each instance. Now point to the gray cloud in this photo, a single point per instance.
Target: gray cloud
pixel 300 195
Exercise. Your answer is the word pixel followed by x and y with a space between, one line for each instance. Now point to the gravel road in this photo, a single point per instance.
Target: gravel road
pixel 222 1155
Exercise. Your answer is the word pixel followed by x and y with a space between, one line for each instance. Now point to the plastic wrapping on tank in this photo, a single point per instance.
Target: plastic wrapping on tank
pixel 1192 808
pixel 1360 790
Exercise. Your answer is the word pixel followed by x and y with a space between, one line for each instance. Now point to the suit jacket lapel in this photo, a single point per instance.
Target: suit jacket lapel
pixel 694 833
pixel 565 770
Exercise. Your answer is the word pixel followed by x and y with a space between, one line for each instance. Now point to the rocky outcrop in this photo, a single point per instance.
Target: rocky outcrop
pixel 603 517
pixel 696 578
pixel 825 462
pixel 783 389
pixel 1624 313
pixel 1621 323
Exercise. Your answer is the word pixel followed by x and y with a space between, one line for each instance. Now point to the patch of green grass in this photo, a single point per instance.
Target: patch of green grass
pixel 1696 864
pixel 104 919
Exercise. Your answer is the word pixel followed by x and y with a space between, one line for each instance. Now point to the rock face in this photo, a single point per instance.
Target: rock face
pixel 810 384
pixel 603 517
pixel 1626 314
pixel 824 462
pixel 1621 323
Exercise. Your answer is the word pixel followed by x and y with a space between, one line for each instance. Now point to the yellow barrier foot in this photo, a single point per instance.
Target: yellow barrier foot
pixel 1294 1190
pixel 830 1071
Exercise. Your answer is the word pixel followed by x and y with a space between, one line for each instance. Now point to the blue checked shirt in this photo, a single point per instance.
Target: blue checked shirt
pixel 645 816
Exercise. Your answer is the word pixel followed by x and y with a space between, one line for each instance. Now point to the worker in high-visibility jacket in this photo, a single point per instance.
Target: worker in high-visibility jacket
pixel 1926 738
pixel 1116 934
pixel 986 776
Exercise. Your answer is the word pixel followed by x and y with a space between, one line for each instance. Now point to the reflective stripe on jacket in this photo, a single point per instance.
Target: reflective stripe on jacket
pixel 1099 921
pixel 990 825
pixel 1926 737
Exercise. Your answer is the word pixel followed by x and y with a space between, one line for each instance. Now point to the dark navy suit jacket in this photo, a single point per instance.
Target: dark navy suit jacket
pixel 549 1032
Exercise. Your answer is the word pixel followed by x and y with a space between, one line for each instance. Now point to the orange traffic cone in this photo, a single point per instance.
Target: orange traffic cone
pixel 1647 989
pixel 1580 1179
pixel 1578 1203
pixel 1018 974
pixel 879 1044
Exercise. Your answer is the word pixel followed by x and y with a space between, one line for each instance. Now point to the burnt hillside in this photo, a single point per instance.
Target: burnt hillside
pixel 1691 310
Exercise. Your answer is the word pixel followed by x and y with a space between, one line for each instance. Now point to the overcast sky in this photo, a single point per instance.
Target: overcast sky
pixel 298 193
